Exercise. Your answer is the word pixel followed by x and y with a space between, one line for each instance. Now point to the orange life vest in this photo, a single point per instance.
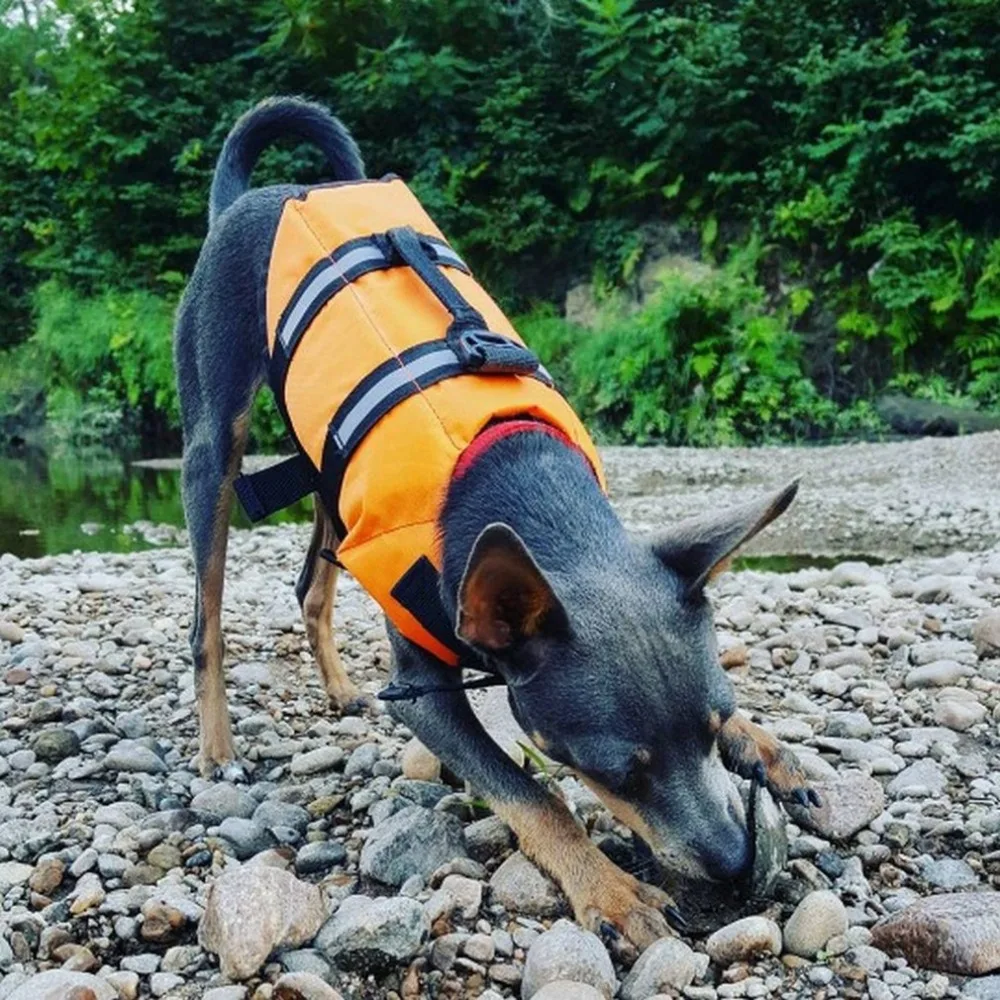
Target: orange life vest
pixel 387 360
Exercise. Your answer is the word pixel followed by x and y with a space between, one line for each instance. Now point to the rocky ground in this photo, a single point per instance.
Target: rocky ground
pixel 348 861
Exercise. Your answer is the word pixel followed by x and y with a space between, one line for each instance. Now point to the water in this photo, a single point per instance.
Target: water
pixel 50 505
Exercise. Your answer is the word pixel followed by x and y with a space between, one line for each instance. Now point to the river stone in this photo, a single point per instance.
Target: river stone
pixel 567 952
pixel 986 634
pixel 957 933
pixel 986 988
pixel 819 917
pixel 250 911
pixel 373 935
pixel 667 964
pixel 414 841
pixel 850 801
pixel 61 984
pixel 743 940
pixel 923 777
pixel 54 745
pixel 303 986
pixel 419 763
pixel 949 873
pixel 127 755
pixel 222 800
pixel 519 887
pixel 564 989
pixel 959 715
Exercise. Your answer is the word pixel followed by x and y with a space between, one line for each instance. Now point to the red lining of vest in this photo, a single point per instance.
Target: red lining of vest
pixel 503 429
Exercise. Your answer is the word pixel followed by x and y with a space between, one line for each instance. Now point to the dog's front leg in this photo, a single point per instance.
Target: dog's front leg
pixel 752 752
pixel 600 893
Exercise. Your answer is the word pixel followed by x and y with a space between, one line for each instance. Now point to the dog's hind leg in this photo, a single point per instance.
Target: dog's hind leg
pixel 316 590
pixel 210 467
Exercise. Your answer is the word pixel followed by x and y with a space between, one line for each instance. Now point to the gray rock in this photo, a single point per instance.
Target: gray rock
pixel 849 725
pixel 54 745
pixel 273 813
pixel 161 983
pixel 247 836
pixel 986 988
pixel 923 777
pixel 373 935
pixel 939 673
pixel 486 838
pixel 362 760
pixel 850 801
pixel 131 756
pixel 219 801
pixel 565 989
pixel 744 940
pixel 250 911
pixel 303 986
pixel 58 984
pixel 415 841
pixel 567 952
pixel 319 857
pixel 819 917
pixel 317 761
pixel 957 933
pixel 986 634
pixel 667 964
pixel 949 873
pixel 519 887
pixel 959 714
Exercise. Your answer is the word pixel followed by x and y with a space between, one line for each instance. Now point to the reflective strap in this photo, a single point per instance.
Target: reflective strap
pixel 349 421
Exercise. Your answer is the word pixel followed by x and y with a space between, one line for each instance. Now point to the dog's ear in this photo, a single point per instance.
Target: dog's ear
pixel 504 597
pixel 700 548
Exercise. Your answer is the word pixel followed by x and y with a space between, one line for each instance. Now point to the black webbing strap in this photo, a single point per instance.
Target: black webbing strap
pixel 419 591
pixel 278 486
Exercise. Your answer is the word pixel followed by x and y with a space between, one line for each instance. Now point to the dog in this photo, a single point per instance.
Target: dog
pixel 605 643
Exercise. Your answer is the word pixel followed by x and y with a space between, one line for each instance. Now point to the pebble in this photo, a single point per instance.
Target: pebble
pixel 819 917
pixel 251 911
pixel 667 964
pixel 744 940
pixel 567 952
pixel 519 887
pixel 371 935
pixel 414 841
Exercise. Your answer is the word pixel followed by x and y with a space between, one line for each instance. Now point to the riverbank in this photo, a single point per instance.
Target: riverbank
pixel 885 679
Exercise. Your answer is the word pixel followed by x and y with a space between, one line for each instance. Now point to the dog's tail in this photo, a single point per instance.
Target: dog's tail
pixel 273 119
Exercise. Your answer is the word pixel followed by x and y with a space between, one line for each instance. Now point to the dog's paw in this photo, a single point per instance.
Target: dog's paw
pixel 628 914
pixel 360 704
pixel 754 753
pixel 236 772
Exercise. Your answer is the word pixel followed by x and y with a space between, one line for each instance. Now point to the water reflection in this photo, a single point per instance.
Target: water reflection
pixel 50 505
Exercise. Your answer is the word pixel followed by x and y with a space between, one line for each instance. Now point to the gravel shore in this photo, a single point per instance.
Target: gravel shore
pixel 348 866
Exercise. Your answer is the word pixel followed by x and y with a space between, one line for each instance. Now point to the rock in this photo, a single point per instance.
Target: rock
pixel 89 893
pixel 487 838
pixel 247 836
pixel 251 911
pixel 564 989
pixel 222 800
pixel 986 634
pixel 162 920
pixel 456 894
pixel 959 715
pixel 415 841
pixel 567 952
pixel 922 778
pixel 60 984
pixel 127 755
pixel 949 873
pixel 849 725
pixel 126 984
pixel 318 857
pixel 987 988
pixel 819 917
pixel 667 964
pixel 362 760
pixel 11 633
pixel 54 745
pixel 373 935
pixel 303 986
pixel 317 761
pixel 939 673
pixel 274 814
pixel 165 857
pixel 957 933
pixel 519 887
pixel 47 876
pixel 419 763
pixel 226 993
pixel 850 801
pixel 161 983
pixel 744 940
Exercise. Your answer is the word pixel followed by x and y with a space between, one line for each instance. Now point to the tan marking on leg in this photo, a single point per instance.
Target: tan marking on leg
pixel 623 811
pixel 743 745
pixel 598 890
pixel 216 736
pixel 317 613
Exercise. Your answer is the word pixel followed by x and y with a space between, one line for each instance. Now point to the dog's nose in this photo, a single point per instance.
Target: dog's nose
pixel 729 855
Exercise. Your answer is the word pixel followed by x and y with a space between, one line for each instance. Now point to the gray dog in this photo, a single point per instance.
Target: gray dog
pixel 606 644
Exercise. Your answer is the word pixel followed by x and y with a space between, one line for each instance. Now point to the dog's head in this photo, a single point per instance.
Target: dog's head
pixel 612 668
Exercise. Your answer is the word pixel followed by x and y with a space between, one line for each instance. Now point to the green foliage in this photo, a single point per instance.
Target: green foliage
pixel 859 140
pixel 701 363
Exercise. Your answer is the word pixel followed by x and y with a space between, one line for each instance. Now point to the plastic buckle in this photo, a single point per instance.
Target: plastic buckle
pixel 492 353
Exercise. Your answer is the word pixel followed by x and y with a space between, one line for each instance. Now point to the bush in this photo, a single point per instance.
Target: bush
pixel 701 363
